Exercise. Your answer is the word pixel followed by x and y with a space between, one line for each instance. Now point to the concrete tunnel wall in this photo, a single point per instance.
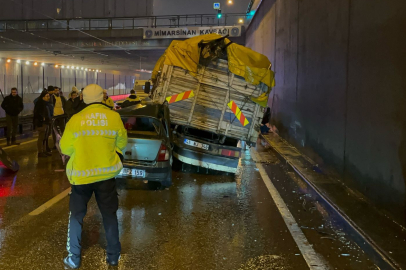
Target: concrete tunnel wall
pixel 340 93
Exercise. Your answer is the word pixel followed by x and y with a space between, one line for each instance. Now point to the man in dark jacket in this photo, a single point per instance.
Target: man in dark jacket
pixel 131 100
pixel 42 118
pixel 71 104
pixel 12 105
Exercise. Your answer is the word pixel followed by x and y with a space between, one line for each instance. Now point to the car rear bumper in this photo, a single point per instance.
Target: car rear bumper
pixel 161 172
pixel 205 160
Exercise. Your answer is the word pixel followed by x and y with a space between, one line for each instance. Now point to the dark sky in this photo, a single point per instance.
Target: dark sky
pixel 184 7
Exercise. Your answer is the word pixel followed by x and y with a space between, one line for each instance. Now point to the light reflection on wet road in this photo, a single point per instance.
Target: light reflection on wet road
pixel 202 222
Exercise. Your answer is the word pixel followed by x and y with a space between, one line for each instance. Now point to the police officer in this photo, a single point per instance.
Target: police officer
pixel 131 100
pixel 93 138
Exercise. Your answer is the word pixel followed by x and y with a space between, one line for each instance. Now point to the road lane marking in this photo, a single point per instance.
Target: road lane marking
pixel 313 260
pixel 49 203
pixel 11 146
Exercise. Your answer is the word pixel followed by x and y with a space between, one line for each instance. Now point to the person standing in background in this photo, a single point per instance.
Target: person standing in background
pixel 265 121
pixel 131 100
pixel 81 104
pixel 71 103
pixel 13 106
pixel 107 100
pixel 59 104
pixel 42 118
pixel 50 105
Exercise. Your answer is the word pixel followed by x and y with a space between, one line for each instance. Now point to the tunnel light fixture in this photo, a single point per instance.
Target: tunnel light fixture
pixel 19 61
pixel 8 60
pixel 27 62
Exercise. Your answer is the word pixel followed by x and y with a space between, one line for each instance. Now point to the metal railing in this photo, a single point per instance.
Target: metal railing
pixel 229 19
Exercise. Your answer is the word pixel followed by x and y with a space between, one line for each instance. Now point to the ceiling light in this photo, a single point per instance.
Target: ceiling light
pixel 27 62
pixel 56 66
pixel 81 68
pixel 240 20
pixel 72 67
pixel 35 64
pixel 97 70
pixel 230 1
pixel 77 67
pixel 8 60
pixel 68 67
pixel 86 69
pixel 18 61
pixel 62 66
pixel 43 64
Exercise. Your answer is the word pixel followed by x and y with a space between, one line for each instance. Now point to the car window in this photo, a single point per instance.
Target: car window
pixel 141 125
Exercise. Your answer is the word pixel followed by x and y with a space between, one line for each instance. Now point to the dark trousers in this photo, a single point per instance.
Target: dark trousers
pixel 12 126
pixel 264 129
pixel 107 200
pixel 57 123
pixel 41 145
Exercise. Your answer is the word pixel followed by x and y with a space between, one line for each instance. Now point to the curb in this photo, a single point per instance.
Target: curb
pixel 376 254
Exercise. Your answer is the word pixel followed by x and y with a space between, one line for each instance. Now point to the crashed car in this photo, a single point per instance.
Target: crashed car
pixel 148 155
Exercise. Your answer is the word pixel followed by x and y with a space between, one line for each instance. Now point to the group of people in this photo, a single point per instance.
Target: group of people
pixel 51 104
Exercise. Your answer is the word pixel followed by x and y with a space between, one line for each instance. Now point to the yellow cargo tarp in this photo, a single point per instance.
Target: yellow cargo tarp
pixel 252 66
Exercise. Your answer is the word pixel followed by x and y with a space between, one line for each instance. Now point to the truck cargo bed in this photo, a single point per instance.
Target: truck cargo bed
pixel 214 87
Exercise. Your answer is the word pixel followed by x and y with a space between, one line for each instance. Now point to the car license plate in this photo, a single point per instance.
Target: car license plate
pixel 197 144
pixel 133 172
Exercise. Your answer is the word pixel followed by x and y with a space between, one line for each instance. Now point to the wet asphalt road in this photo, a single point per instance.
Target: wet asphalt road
pixel 201 222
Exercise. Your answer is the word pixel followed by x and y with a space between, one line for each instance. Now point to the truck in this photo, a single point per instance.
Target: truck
pixel 217 92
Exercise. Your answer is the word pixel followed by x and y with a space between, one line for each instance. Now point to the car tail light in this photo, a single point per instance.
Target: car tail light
pixel 128 126
pixel 229 153
pixel 163 154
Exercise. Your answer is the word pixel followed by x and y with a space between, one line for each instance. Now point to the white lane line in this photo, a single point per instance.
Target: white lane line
pixel 313 260
pixel 8 147
pixel 49 203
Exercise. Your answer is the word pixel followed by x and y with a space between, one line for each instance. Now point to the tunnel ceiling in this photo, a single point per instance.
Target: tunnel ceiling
pixel 116 60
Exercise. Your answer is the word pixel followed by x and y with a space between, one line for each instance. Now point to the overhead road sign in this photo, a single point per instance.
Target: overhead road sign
pixel 188 32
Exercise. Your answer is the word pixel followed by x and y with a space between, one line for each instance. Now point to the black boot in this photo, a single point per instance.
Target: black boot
pixel 8 142
pixel 14 142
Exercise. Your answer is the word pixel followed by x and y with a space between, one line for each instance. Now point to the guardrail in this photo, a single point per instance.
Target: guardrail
pixel 228 19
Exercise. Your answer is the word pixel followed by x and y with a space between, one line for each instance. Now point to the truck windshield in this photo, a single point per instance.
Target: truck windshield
pixel 141 125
